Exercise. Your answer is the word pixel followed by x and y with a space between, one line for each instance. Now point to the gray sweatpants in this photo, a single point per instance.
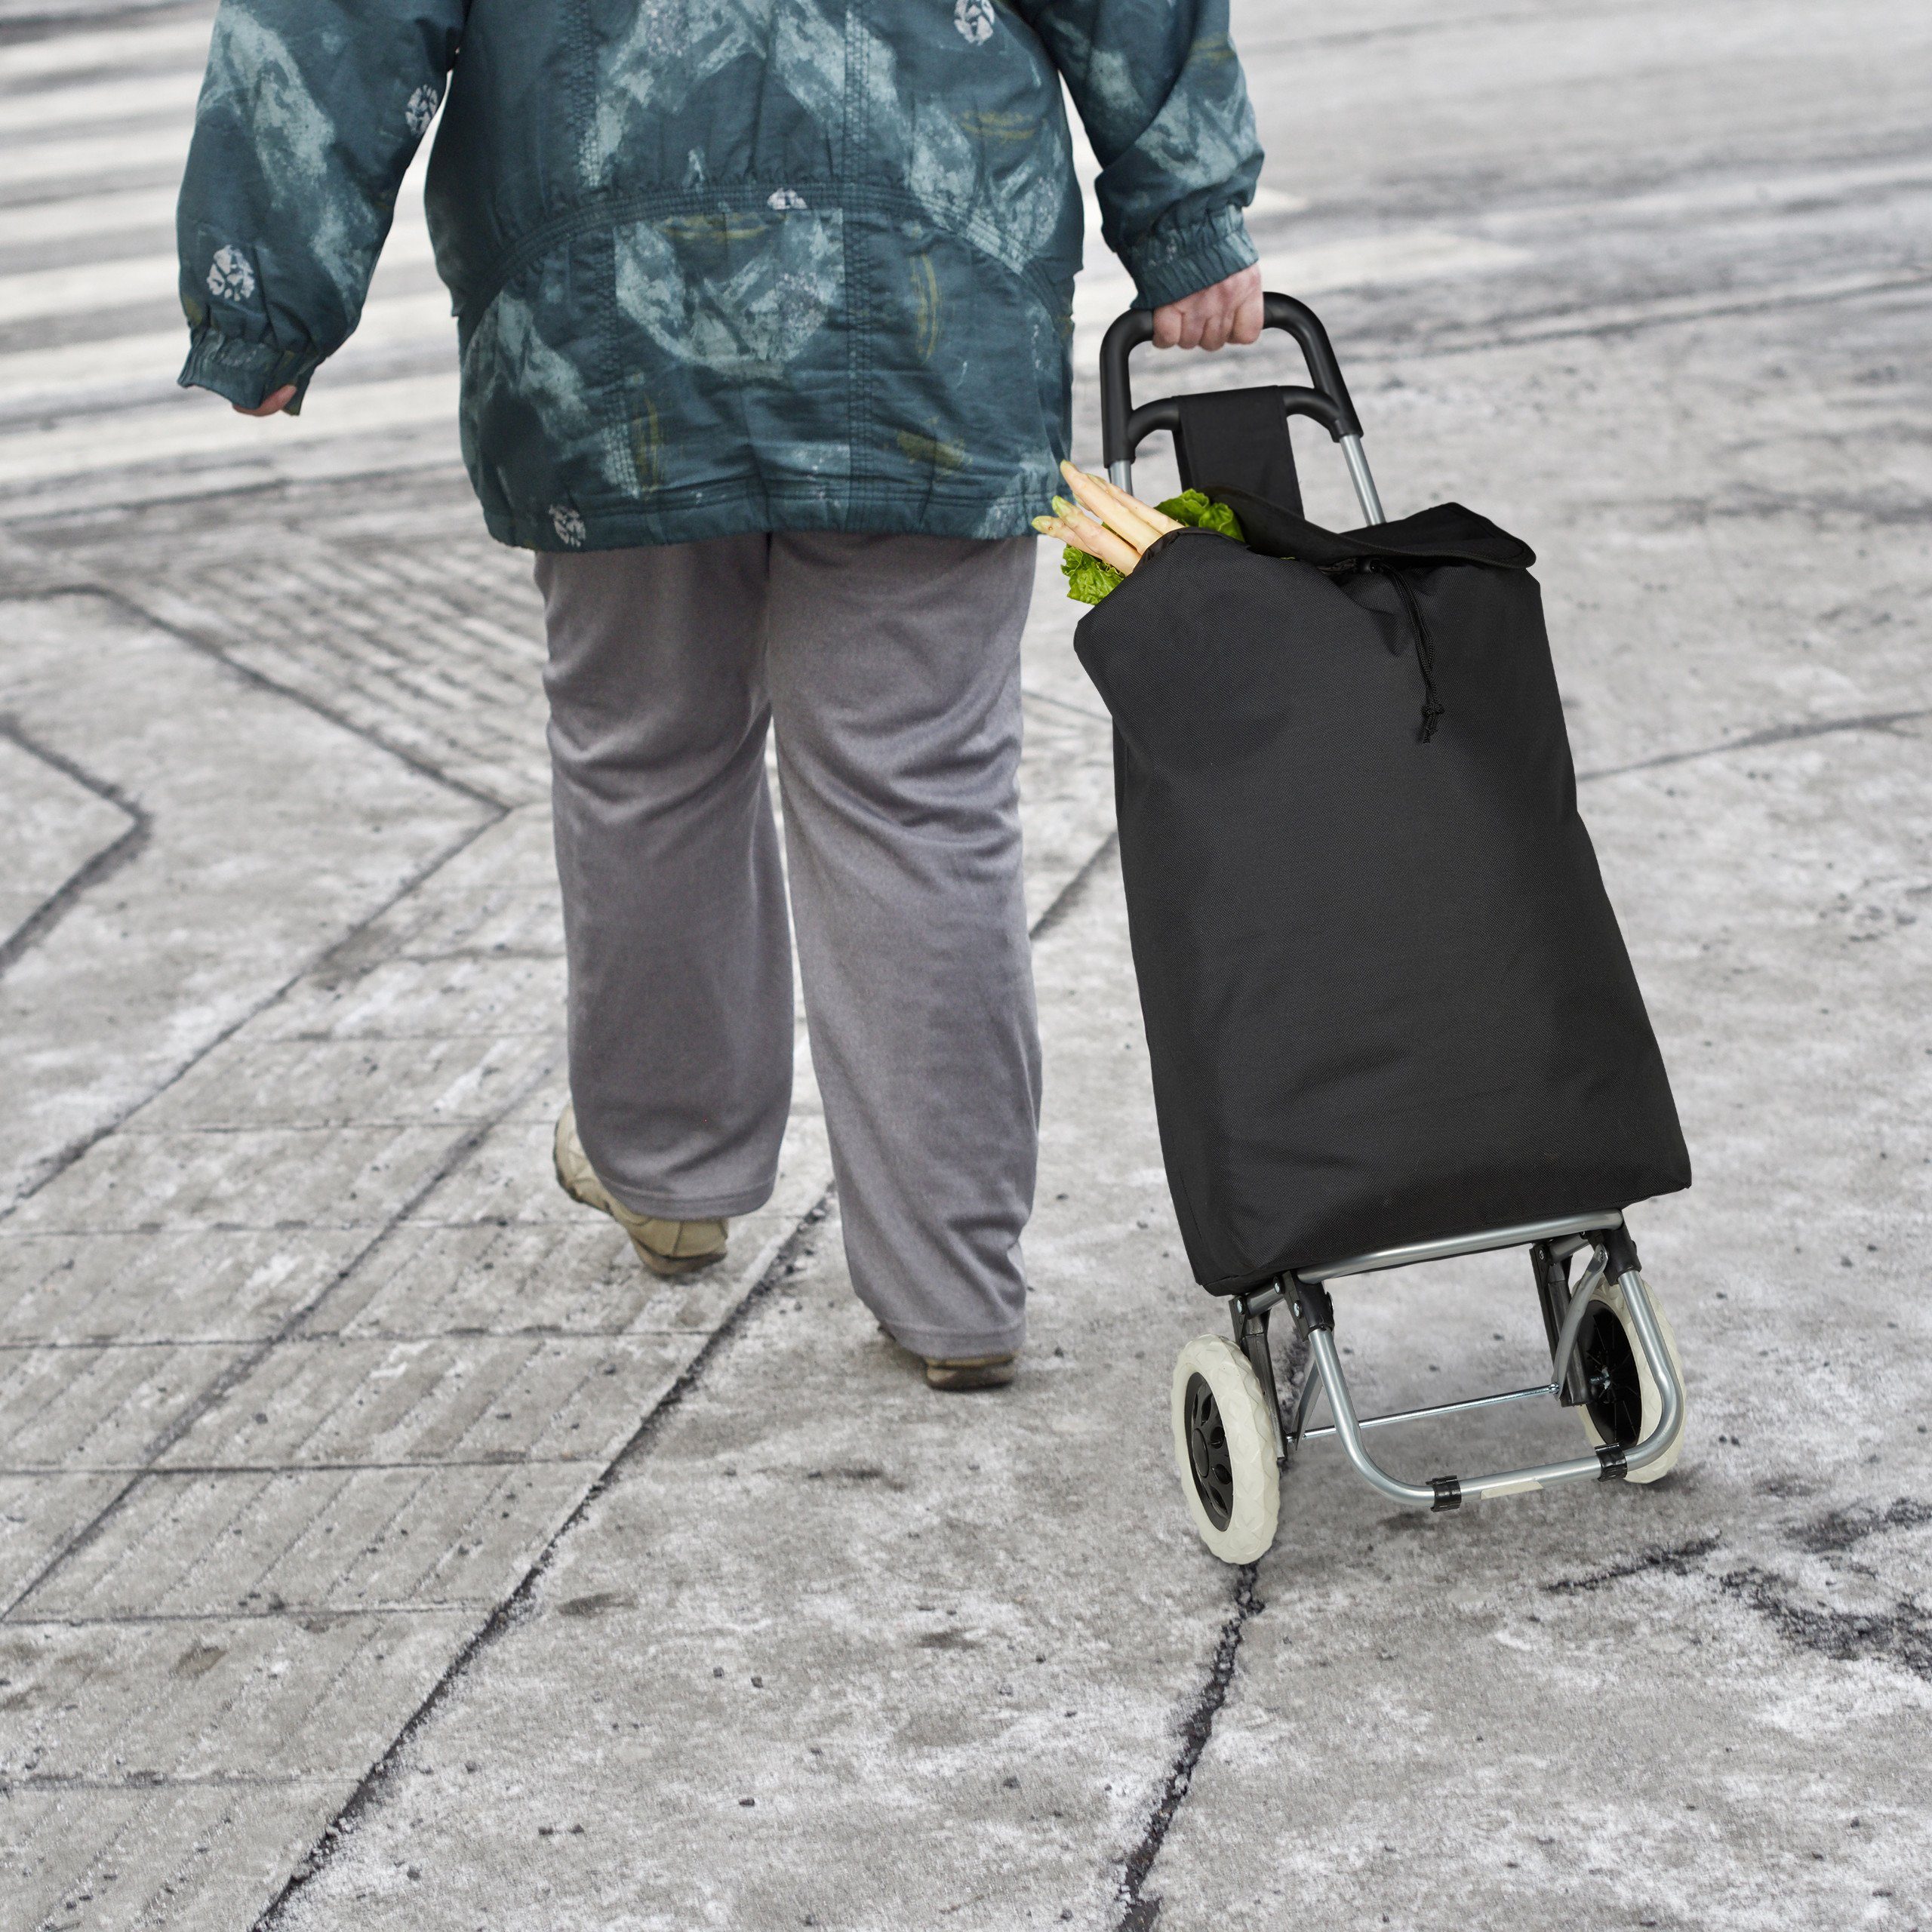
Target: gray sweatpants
pixel 891 667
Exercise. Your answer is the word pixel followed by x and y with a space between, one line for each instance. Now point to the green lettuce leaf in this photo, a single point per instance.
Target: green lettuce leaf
pixel 1200 512
pixel 1087 578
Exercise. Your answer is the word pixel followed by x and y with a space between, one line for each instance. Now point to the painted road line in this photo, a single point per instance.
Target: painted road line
pixel 1416 254
pixel 191 427
pixel 27 223
pixel 118 282
pixel 184 41
pixel 32 222
pixel 142 97
pixel 163 149
pixel 86 286
pixel 74 371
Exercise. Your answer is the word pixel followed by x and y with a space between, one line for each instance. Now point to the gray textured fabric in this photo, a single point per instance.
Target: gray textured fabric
pixel 891 667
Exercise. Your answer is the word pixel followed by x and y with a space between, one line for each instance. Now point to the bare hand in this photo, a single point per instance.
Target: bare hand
pixel 1209 319
pixel 273 405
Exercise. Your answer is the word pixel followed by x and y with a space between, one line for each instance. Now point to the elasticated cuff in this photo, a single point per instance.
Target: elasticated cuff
pixel 1173 262
pixel 246 373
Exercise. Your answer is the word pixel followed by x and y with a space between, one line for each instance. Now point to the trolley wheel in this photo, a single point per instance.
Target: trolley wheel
pixel 1226 1449
pixel 1622 1404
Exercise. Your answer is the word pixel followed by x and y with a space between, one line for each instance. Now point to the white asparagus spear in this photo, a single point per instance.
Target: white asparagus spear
pixel 1112 542
pixel 1159 519
pixel 1125 515
pixel 1091 537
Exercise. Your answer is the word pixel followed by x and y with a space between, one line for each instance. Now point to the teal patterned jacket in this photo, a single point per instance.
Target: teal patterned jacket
pixel 718 265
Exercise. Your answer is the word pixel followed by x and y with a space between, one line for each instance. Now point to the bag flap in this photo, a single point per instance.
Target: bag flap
pixel 1447 534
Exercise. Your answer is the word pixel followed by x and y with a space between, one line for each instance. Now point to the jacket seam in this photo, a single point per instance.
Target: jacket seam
pixel 848 258
pixel 849 198
pixel 858 285
pixel 687 496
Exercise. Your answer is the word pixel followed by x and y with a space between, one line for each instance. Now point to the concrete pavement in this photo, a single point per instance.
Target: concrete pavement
pixel 378 1548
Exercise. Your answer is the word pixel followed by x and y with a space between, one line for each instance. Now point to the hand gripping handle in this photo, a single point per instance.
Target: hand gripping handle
pixel 1123 427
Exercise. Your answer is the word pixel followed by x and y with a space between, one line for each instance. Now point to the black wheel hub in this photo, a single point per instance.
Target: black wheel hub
pixel 1208 1452
pixel 1614 1393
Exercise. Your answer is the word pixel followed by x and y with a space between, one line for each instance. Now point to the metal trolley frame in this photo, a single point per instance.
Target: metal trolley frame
pixel 1551 1245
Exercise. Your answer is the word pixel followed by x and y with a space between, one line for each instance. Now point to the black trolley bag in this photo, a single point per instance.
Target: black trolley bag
pixel 1389 1014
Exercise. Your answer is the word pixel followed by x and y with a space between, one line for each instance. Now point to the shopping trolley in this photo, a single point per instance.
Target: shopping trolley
pixel 1390 1017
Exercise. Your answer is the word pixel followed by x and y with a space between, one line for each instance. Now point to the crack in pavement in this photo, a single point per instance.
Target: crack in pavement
pixel 1881 721
pixel 1672 1559
pixel 1070 895
pixel 494 812
pixel 1901 1636
pixel 1843 1529
pixel 1138 1912
pixel 130 607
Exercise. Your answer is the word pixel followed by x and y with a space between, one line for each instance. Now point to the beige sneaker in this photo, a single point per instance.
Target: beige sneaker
pixel 956 1374
pixel 666 1247
pixel 970 1372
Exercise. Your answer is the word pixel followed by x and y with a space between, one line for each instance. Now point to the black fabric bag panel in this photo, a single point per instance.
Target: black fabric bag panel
pixel 1385 997
pixel 1241 436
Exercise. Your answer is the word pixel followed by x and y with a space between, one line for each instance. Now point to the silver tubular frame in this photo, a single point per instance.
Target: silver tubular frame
pixel 1565 1238
pixel 1326 1377
pixel 1428 1409
pixel 1525 1235
pixel 1573 1318
pixel 1656 1359
pixel 1365 490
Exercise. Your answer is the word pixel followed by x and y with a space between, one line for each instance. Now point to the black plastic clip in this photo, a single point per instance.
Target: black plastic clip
pixel 1448 1492
pixel 1611 1466
pixel 1311 1308
pixel 1622 1252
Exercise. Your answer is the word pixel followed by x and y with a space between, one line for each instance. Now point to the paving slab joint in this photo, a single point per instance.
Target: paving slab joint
pixel 514 1607
pixel 102 867
pixel 192 1411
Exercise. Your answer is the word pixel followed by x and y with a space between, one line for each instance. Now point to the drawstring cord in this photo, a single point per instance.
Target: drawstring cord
pixel 1433 707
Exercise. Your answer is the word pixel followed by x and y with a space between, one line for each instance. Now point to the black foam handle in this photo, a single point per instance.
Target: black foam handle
pixel 1123 427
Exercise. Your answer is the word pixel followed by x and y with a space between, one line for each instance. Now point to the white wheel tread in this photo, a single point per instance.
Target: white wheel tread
pixel 1610 1293
pixel 1257 1480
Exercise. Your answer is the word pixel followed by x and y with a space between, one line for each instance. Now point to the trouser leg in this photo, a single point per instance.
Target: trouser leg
pixel 680 1015
pixel 893 662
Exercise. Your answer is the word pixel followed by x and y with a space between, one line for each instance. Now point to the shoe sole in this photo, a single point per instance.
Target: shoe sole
pixel 670 1265
pixel 957 1378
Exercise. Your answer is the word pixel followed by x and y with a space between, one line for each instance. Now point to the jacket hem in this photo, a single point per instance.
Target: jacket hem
pixel 881 508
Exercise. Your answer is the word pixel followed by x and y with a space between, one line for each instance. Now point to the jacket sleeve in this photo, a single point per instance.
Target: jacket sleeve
pixel 310 113
pixel 1159 86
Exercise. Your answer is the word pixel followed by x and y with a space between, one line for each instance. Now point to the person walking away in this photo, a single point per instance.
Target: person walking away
pixel 765 308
